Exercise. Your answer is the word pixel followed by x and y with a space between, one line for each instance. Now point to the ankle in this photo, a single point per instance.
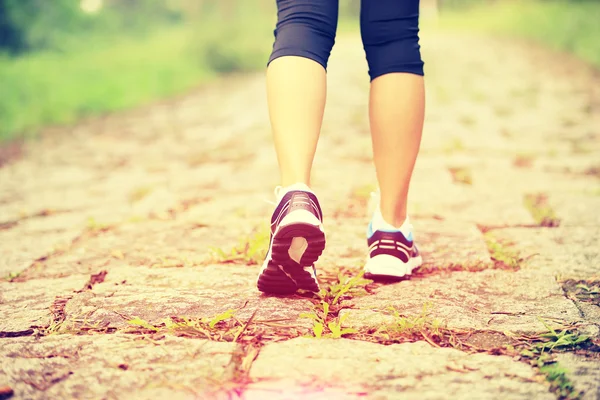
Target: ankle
pixel 396 220
pixel 379 222
pixel 295 178
pixel 281 191
pixel 296 186
pixel 394 217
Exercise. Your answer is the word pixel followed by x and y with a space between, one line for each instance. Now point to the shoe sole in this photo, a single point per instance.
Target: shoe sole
pixel 283 275
pixel 386 270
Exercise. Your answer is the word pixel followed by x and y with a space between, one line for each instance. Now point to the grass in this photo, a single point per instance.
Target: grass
pixel 560 383
pixel 345 287
pixel 538 352
pixel 325 314
pixel 583 290
pixel 251 249
pixel 562 25
pixel 325 325
pixel 422 325
pixel 222 327
pixel 540 210
pixel 50 88
pixel 501 254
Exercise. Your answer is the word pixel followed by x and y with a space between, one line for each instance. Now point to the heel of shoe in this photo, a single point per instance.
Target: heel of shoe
pixel 282 242
pixel 286 279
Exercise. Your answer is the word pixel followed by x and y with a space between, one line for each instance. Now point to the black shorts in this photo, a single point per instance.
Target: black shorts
pixel 389 31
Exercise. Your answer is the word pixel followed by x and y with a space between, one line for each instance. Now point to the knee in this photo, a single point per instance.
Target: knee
pixel 392 43
pixel 305 31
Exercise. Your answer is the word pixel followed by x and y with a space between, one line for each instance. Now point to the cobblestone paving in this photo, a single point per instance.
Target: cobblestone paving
pixel 116 240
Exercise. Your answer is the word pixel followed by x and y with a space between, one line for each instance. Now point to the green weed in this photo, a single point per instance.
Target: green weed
pixel 138 322
pixel 501 254
pixel 326 324
pixel 325 327
pixel 560 382
pixel 422 324
pixel 345 287
pixel 557 339
pixel 540 210
pixel 538 353
pixel 250 250
pixel 583 290
pixel 12 276
pixel 221 327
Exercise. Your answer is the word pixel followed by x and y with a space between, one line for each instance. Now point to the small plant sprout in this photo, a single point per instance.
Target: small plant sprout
pixel 250 250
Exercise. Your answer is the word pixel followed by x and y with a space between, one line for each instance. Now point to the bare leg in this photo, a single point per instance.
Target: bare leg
pixel 396 112
pixel 296 92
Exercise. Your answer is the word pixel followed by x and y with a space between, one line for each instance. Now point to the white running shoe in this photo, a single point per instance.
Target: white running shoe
pixel 297 241
pixel 391 254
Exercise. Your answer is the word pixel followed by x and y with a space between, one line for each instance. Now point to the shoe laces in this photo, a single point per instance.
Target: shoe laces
pixel 276 193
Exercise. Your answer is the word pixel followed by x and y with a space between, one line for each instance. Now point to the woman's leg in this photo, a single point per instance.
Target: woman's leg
pixel 389 30
pixel 397 100
pixel 296 87
pixel 296 82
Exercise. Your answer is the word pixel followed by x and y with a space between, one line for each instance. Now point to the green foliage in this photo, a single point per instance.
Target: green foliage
pixel 73 65
pixel 501 253
pixel 221 327
pixel 583 290
pixel 63 24
pixel 563 25
pixel 324 326
pixel 238 49
pixel 346 286
pixel 540 210
pixel 335 327
pixel 12 276
pixel 412 325
pixel 539 354
pixel 250 250
pixel 559 381
pixel 137 321
pixel 552 339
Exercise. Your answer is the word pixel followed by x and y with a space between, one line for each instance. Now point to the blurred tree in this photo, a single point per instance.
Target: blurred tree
pixel 27 25
pixel 34 24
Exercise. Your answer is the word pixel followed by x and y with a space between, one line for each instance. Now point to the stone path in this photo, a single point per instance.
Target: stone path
pixel 109 233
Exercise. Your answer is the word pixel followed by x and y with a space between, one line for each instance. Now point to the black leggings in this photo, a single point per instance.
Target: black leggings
pixel 389 30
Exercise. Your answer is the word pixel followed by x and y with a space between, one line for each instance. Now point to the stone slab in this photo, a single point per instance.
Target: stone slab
pixel 489 300
pixel 23 304
pixel 565 252
pixel 156 294
pixel 349 369
pixel 583 372
pixel 113 367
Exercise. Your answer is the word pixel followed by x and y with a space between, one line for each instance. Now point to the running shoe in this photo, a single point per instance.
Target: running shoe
pixel 391 255
pixel 297 241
